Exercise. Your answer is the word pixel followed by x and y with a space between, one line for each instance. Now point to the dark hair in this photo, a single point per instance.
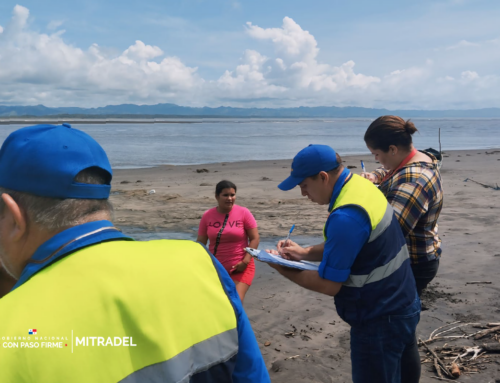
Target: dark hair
pixel 57 213
pixel 389 130
pixel 224 185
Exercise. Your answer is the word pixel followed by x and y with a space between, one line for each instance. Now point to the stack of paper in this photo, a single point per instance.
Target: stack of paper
pixel 264 256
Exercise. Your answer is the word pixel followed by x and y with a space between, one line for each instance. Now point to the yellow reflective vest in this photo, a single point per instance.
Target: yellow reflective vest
pixel 380 281
pixel 118 311
pixel 362 193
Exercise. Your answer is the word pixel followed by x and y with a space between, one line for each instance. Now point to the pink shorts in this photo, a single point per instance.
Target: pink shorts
pixel 246 276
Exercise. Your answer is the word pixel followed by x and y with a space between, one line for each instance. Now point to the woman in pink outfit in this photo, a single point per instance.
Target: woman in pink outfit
pixel 230 228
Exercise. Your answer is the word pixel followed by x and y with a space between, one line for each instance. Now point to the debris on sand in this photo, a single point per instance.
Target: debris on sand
pixel 452 361
pixel 277 366
pixel 483 185
pixel 431 294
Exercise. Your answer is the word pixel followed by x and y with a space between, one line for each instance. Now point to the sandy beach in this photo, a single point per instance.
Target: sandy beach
pixel 316 348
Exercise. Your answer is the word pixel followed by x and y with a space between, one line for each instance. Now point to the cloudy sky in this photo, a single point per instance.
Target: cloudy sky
pixel 387 53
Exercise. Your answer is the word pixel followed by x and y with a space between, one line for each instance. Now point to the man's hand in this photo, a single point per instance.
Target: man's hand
pixel 369 176
pixel 291 251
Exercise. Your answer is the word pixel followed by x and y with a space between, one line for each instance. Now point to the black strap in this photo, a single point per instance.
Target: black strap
pixel 220 234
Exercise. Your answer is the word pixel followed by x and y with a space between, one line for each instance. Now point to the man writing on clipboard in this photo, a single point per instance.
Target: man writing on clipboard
pixel 364 265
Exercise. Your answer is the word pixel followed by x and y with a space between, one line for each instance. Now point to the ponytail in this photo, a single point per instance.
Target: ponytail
pixel 390 130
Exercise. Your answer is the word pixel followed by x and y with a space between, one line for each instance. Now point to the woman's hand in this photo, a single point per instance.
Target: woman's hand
pixel 239 267
pixel 369 176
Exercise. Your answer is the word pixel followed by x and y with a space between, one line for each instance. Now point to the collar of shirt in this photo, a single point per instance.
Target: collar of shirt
pixel 68 241
pixel 341 181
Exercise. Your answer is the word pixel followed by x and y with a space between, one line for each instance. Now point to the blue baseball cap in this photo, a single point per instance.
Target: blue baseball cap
pixel 309 162
pixel 44 159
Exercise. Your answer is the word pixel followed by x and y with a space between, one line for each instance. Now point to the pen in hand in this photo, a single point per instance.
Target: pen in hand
pixel 287 238
pixel 363 166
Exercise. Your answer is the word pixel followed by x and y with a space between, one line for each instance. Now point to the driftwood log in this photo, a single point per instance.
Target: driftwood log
pixel 438 360
pixel 491 347
pixel 438 368
pixel 451 361
pixel 486 332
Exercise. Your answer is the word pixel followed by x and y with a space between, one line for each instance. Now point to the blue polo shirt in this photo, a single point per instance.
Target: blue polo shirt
pixel 347 230
pixel 249 366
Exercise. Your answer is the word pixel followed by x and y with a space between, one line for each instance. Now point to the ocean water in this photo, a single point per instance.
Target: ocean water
pixel 198 141
pixel 265 243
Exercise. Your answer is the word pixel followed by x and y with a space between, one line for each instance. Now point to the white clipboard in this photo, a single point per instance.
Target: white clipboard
pixel 264 256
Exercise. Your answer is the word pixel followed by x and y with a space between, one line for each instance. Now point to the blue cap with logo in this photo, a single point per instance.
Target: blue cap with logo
pixel 309 162
pixel 44 159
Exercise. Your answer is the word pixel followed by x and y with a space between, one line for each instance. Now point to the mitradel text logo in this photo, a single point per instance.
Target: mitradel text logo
pixel 36 340
pixel 101 341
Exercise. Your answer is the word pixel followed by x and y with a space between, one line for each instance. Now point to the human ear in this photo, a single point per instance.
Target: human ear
pixel 17 224
pixel 324 176
pixel 393 150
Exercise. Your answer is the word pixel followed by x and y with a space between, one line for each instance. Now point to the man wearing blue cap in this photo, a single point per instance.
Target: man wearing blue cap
pixel 90 304
pixel 364 265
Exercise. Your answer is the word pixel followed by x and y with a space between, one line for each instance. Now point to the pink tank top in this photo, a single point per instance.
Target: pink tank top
pixel 233 239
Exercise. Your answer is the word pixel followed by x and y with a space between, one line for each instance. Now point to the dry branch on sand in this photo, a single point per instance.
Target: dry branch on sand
pixel 452 361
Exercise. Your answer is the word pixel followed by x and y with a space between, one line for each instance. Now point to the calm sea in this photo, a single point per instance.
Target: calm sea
pixel 227 140
pixel 265 243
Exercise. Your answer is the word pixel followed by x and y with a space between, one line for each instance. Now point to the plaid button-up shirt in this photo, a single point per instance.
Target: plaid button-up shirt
pixel 416 195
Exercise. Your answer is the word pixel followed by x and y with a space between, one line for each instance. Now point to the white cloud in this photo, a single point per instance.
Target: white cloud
pixel 248 80
pixel 54 24
pixel 469 75
pixel 142 51
pixel 446 78
pixel 296 76
pixel 43 68
pixel 19 19
pixel 462 44
pixel 295 71
pixel 290 40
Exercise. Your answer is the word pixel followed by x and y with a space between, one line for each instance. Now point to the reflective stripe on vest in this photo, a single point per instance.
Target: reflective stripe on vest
pixel 164 296
pixel 363 194
pixel 380 272
pixel 383 224
pixel 360 192
pixel 195 359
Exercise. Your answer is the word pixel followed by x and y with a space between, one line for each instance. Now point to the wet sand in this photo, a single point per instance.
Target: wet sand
pixel 319 349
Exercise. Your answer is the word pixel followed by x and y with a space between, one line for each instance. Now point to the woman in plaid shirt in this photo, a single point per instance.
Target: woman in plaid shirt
pixel 411 181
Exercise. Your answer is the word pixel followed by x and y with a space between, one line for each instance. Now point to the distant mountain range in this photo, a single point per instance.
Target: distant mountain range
pixel 172 110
